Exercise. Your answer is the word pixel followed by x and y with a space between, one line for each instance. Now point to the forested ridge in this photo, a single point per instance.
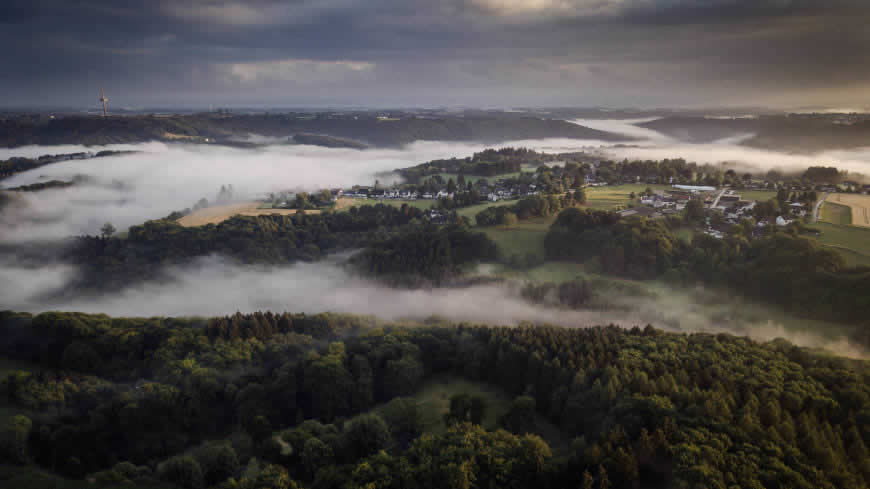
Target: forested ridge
pixel 111 262
pixel 191 402
pixel 361 127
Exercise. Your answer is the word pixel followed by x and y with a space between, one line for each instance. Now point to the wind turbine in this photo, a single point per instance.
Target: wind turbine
pixel 103 99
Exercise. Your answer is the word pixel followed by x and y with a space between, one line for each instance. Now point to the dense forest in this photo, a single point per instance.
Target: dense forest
pixel 426 252
pixel 782 267
pixel 322 401
pixel 486 163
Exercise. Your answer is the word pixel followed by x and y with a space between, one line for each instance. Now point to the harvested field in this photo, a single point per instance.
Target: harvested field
pixel 220 213
pixel 860 205
pixel 834 213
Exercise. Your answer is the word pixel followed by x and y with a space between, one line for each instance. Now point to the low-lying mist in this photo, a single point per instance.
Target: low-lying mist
pixel 132 188
pixel 656 146
pixel 215 286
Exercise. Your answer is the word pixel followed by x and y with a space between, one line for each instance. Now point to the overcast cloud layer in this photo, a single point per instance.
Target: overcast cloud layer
pixel 172 53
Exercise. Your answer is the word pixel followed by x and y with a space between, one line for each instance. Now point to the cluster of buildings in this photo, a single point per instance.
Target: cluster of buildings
pixel 500 190
pixel 391 193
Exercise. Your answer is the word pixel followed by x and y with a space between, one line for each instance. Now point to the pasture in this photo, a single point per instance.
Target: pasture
pixel 852 242
pixel 759 195
pixel 219 213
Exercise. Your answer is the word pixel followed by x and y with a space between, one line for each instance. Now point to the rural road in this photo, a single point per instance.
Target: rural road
pixel 818 207
pixel 716 202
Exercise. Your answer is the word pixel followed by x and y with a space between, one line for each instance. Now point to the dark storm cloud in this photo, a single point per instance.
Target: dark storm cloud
pixel 508 52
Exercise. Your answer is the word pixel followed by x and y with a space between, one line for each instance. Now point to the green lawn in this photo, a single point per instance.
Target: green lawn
pixel 612 197
pixel 759 195
pixel 836 214
pixel 852 242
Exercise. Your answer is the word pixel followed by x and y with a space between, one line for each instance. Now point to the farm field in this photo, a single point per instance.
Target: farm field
pixel 853 242
pixel 220 213
pixel 759 195
pixel 835 213
pixel 859 205
pixel 612 197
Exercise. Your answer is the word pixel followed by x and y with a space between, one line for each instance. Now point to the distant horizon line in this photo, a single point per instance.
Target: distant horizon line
pixel 326 108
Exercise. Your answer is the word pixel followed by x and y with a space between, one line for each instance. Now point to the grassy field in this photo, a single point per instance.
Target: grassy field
pixel 759 195
pixel 612 197
pixel 220 213
pixel 525 237
pixel 556 272
pixel 852 241
pixel 835 213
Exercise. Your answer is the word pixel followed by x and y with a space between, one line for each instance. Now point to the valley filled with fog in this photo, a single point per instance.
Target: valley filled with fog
pixel 161 178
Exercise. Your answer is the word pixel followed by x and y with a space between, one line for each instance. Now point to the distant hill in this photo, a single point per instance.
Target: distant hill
pixel 351 130
pixel 804 134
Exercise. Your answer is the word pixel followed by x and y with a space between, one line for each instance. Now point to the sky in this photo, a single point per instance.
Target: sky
pixel 403 53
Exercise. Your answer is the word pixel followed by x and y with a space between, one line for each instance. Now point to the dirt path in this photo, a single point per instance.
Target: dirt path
pixel 818 208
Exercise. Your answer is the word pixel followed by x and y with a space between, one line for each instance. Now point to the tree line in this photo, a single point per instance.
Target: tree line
pixel 528 207
pixel 781 267
pixel 108 262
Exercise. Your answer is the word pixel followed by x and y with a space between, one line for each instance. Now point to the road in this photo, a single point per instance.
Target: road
pixel 818 207
pixel 716 202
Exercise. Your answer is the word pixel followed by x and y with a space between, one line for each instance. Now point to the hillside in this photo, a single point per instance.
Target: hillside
pixel 358 129
pixel 783 133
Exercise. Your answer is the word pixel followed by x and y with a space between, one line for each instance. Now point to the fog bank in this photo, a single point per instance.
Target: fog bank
pixel 657 146
pixel 214 286
pixel 130 189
